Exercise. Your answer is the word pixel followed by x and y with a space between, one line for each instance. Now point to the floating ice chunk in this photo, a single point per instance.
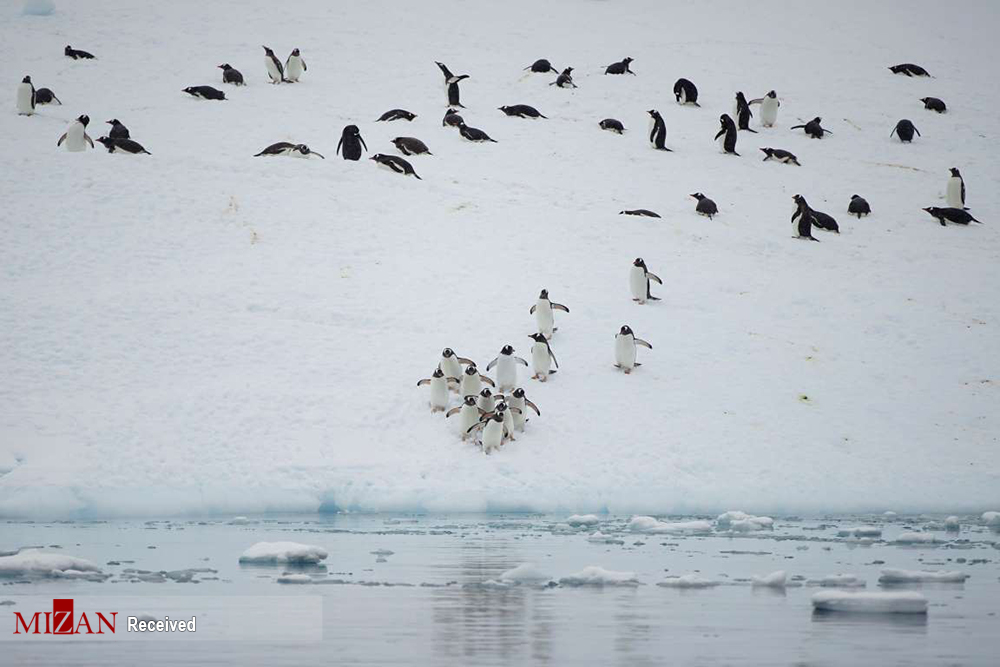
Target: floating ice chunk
pixel 916 538
pixel 838 581
pixel 525 572
pixel 894 576
pixel 601 538
pixel 647 524
pixel 382 552
pixel 239 521
pixel 35 563
pixel 687 581
pixel 908 602
pixel 991 518
pixel 741 522
pixel 583 520
pixel 889 514
pixel 283 552
pixel 860 531
pixel 777 579
pixel 593 575
pixel 952 523
pixel 295 579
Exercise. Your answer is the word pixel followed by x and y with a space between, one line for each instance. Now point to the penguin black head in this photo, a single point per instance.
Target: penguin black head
pixel 799 199
pixel 501 407
pixel 954 172
pixel 537 337
pixel 627 60
pixel 518 393
pixel 107 141
pixel 114 121
pixel 26 79
pixel 639 262
pixel 654 113
pixel 447 353
pixel 507 349
pixel 268 51
pixel 699 196
pixel 450 111
pixel 225 66
pixel 723 118
pixel 568 71
pixel 84 120
pixel 469 400
pixel 817 119
pixel 486 393
pixel 471 370
pixel 625 331
pixel 378 157
pixel 855 196
pixel 544 294
pixel 772 94
pixel 295 52
pixel 68 50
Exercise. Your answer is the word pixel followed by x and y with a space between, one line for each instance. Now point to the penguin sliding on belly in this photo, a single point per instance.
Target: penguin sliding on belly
pixel 956 216
pixel 75 137
pixel 46 96
pixel 541 66
pixel 122 146
pixel 395 164
pixel 934 104
pixel 612 125
pixel 858 206
pixel 813 128
pixel 26 97
pixel 639 278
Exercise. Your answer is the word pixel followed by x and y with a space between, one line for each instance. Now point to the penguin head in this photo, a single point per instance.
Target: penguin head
pixel 639 262
pixel 799 199
pixel 225 66
pixel 107 141
pixel 954 172
pixel 450 111
pixel 378 157
pixel 268 51
pixel 113 121
pixel 653 112
pixel 507 349
pixel 503 108
pixel 471 370
pixel 625 331
pixel 855 196
pixel 26 79
pixel 486 393
pixel 698 196
pixel 470 400
pixel 438 373
pixel 627 60
pixel 190 90
pixel 447 353
pixel 568 71
pixel 740 96
pixel 84 120
pixel 544 294
pixel 68 50
pixel 932 210
pixel 767 151
pixel 772 94
pixel 518 393
pixel 537 337
pixel 352 131
pixel 500 408
pixel 817 119
pixel 295 52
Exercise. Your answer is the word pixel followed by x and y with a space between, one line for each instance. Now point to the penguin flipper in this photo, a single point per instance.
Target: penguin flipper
pixel 799 127
pixel 467 362
pixel 488 381
pixel 61 139
pixel 749 130
pixel 453 411
pixel 639 341
pixel 493 363
pixel 533 407
pixel 522 361
pixel 654 277
pixel 559 306
pixel 89 140
pixel 530 312
pixel 424 381
pixel 653 298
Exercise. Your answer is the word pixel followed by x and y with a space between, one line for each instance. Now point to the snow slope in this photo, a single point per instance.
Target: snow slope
pixel 202 331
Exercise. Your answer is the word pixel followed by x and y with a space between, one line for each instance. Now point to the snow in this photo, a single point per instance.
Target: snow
pixel 35 563
pixel 870 603
pixel 687 581
pixel 283 552
pixel 991 518
pixel 777 579
pixel 201 332
pixel 895 576
pixel 593 575
pixel 525 572
pixel 912 537
pixel 648 524
pixel 583 520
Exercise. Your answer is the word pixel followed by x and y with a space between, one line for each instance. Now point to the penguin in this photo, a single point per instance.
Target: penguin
pixel 468 415
pixel 455 95
pixel 439 389
pixel 451 85
pixel 565 79
pixel 275 70
pixel 508 413
pixel 520 402
pixel 705 206
pixel 396 164
pixel 780 155
pixel 452 364
pixel 294 66
pixel 625 349
pixel 541 66
pixel 957 216
pixel 118 130
pixel 934 104
pixel 955 189
pixel 685 92
pixel 46 96
pixel 522 111
pixel 620 67
pixel 909 69
pixel 639 278
pixel 205 92
pixel 452 119
pixel 25 97
pixel 727 133
pixel 411 146
pixel 231 75
pixel 286 148
pixel 825 221
pixel 472 381
pixel 612 125
pixel 743 113
pixel 657 131
pixel 396 114
pixel 122 146
pixel 768 109
pixel 813 128
pixel 506 363
pixel 493 433
pixel 805 216
pixel 351 142
pixel 904 130
pixel 858 206
pixel 76 136
pixel 641 212
pixel 77 54
pixel 542 310
pixel 542 358
pixel 449 78
pixel 486 400
pixel 303 151
pixel 474 134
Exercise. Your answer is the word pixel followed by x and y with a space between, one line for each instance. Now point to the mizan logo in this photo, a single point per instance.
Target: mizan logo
pixel 60 621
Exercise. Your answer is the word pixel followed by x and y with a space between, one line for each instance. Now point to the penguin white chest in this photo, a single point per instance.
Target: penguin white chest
pixel 294 68
pixel 543 315
pixel 953 193
pixel 625 351
pixel 508 421
pixel 469 417
pixel 638 284
pixel 518 415
pixel 487 403
pixel 272 69
pixel 492 436
pixel 439 393
pixel 471 384
pixel 769 111
pixel 451 367
pixel 506 372
pixel 25 94
pixel 76 138
pixel 540 359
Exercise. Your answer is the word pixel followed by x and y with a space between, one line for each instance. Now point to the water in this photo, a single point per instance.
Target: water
pixel 433 600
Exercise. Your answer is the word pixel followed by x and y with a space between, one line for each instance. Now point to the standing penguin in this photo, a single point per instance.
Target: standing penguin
pixel 625 349
pixel 813 128
pixel 542 310
pixel 452 364
pixel 472 381
pixel 25 97
pixel 657 131
pixel 231 75
pixel 451 85
pixel 639 278
pixel 275 70
pixel 726 136
pixel 742 112
pixel 486 400
pixel 705 206
pixel 565 79
pixel 858 206
pixel 620 67
pixel 439 389
pixel 904 130
pixel 805 216
pixel 294 66
pixel 493 433
pixel 542 358
pixel 118 130
pixel 468 415
pixel 519 401
pixel 955 190
pixel 685 92
pixel 506 364
pixel 351 142
pixel 768 108
pixel 76 136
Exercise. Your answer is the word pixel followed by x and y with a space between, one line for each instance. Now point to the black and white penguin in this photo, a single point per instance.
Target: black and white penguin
pixel 452 364
pixel 46 96
pixel 123 146
pixel 934 104
pixel 620 67
pixel 543 312
pixel 411 146
pixel 25 97
pixel 909 69
pixel 75 137
pixel 522 111
pixel 451 85
pixel 506 363
pixel 517 400
pixel 205 92
pixel 858 206
pixel 118 129
pixel 955 189
pixel 957 216
pixel 612 125
pixel 742 112
pixel 904 130
pixel 301 150
pixel 805 216
pixel 287 148
pixel 231 75
pixel 686 92
pixel 813 128
pixel 705 206
pixel 541 66
pixel 449 78
pixel 474 134
pixel 275 70
pixel 77 54
pixel 779 155
pixel 768 108
pixel 487 401
pixel 468 415
pixel 542 357
pixel 439 384
pixel 351 143
pixel 451 119
pixel 473 380
pixel 625 349
pixel 825 221
pixel 639 278
pixel 396 164
pixel 565 79
pixel 396 114
pixel 726 136
pixel 657 131
pixel 640 212
pixel 294 66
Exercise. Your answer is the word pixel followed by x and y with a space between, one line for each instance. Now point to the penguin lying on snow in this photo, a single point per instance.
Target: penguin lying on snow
pixel 286 148
pixel 904 130
pixel 858 206
pixel 780 155
pixel 231 75
pixel 612 125
pixel 396 164
pixel 123 146
pixel 686 92
pixel 957 216
pixel 641 212
pixel 411 146
pixel 77 54
pixel 474 134
pixel 46 96
pixel 205 92
pixel 625 349
pixel 451 119
pixel 541 66
pixel 396 114
pixel 813 128
pixel 934 104
pixel 522 111
pixel 639 279
pixel 909 69
pixel 705 205
pixel 620 67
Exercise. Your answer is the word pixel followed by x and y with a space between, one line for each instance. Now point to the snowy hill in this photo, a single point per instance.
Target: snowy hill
pixel 203 331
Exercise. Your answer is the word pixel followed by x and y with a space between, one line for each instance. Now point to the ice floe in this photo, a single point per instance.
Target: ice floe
pixel 778 579
pixel 594 575
pixel 34 563
pixel 283 552
pixel 907 602
pixel 916 538
pixel 525 573
pixel 741 522
pixel 860 531
pixel 838 581
pixel 894 576
pixel 991 518
pixel 583 520
pixel 688 581
pixel 647 524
